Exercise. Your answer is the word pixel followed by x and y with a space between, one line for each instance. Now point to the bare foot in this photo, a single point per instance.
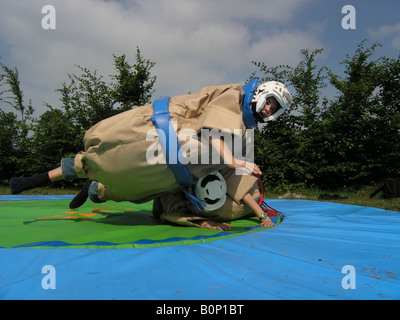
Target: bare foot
pixel 223 226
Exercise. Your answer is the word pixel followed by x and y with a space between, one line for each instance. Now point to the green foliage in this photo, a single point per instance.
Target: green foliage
pixel 346 141
pixel 295 137
pixel 88 99
pixel 134 85
pixel 8 134
pixel 54 137
pixel 31 146
pixel 14 131
pixel 352 140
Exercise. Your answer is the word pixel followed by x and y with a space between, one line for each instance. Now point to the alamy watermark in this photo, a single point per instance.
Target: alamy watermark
pixel 203 148
pixel 49 20
pixel 49 280
pixel 349 20
pixel 349 280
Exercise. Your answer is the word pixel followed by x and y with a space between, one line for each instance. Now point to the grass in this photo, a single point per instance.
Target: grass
pixel 4 190
pixel 354 197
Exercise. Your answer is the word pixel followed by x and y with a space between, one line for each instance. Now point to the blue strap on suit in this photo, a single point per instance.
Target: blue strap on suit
pixel 170 145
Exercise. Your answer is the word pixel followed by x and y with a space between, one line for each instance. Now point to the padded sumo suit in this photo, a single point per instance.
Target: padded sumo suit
pixel 116 154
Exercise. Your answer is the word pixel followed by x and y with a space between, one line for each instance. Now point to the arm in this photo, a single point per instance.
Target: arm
pixel 253 205
pixel 228 158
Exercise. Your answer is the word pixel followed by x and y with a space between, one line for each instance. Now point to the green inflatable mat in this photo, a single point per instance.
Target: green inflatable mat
pixel 51 224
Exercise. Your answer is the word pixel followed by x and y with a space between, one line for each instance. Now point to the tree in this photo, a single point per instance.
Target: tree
pixel 16 100
pixel 387 121
pixel 134 85
pixel 352 140
pixel 30 146
pixel 54 137
pixel 287 149
pixel 88 99
pixel 14 128
pixel 8 134
pixel 362 122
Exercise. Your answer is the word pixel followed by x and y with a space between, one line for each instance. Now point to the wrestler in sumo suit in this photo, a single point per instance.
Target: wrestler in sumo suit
pixel 137 155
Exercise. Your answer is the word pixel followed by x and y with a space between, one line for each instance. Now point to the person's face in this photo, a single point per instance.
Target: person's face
pixel 271 106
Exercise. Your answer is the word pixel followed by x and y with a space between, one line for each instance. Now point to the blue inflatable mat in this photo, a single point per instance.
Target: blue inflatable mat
pixel 320 251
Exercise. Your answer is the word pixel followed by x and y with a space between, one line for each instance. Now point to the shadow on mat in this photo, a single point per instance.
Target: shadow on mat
pixel 125 218
pixel 129 218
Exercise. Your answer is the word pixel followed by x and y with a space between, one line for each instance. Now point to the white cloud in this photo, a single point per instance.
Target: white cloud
pixel 391 31
pixel 384 31
pixel 283 47
pixel 193 42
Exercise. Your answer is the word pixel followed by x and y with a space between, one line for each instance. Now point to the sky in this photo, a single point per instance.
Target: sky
pixel 194 43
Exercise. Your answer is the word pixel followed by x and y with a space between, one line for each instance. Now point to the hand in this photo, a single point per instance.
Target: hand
pixel 256 170
pixel 247 168
pixel 267 223
pixel 215 225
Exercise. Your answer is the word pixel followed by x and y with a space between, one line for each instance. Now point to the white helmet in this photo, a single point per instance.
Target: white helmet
pixel 212 190
pixel 271 89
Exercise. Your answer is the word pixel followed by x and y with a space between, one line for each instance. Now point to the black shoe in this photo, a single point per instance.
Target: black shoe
pixel 81 197
pixel 17 185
